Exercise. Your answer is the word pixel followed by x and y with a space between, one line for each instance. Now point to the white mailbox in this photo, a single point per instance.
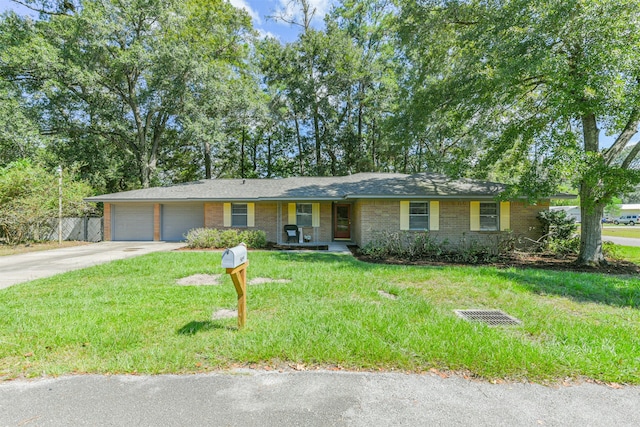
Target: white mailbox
pixel 233 257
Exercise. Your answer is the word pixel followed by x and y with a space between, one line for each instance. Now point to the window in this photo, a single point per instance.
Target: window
pixel 418 216
pixel 239 214
pixel 304 214
pixel 488 216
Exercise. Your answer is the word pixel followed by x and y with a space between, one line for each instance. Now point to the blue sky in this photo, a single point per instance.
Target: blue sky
pixel 259 10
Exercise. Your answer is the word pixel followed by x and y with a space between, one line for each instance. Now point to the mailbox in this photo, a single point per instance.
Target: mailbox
pixel 233 257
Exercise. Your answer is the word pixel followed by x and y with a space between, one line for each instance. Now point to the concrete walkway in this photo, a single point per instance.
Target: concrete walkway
pixel 316 398
pixel 20 268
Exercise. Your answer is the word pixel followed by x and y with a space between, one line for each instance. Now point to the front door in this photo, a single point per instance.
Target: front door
pixel 342 226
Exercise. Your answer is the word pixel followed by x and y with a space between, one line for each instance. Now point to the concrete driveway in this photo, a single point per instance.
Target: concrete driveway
pixel 20 268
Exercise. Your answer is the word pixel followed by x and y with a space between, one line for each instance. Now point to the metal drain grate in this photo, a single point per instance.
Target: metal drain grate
pixel 490 317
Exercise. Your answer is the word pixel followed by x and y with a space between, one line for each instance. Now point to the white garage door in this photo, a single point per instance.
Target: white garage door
pixel 132 221
pixel 179 218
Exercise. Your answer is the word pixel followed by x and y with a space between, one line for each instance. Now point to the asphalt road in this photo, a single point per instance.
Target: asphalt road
pixel 624 241
pixel 313 398
pixel 36 265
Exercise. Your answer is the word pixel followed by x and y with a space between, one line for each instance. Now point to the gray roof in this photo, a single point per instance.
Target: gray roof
pixel 357 186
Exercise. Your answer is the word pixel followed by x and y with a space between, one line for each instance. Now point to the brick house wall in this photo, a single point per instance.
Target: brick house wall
pixel 265 217
pixel 374 216
pixel 107 222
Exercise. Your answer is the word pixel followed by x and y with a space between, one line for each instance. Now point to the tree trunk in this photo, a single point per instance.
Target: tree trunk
pixel 591 235
pixel 591 209
pixel 299 138
pixel 316 131
pixel 242 142
pixel 269 156
pixel 207 160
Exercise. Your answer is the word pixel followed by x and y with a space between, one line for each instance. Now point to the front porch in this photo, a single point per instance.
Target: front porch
pixel 336 247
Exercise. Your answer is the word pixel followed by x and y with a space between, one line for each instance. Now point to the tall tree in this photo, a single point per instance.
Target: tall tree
pixel 535 82
pixel 119 71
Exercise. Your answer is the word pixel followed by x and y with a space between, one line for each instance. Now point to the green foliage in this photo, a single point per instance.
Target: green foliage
pixel 208 238
pixel 29 201
pixel 529 85
pixel 559 230
pixel 411 246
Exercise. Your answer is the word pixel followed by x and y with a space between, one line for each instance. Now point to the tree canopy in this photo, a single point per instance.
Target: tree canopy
pixel 134 93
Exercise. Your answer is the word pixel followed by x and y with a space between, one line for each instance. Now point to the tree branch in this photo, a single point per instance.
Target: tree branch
pixel 67 5
pixel 631 156
pixel 623 139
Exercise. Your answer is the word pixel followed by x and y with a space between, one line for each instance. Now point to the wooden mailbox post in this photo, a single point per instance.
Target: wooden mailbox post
pixel 236 262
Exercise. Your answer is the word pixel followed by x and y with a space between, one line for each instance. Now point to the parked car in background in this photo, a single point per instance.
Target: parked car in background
pixel 627 219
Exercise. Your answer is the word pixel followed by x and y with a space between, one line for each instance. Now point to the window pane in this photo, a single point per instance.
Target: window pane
pixel 239 215
pixel 418 216
pixel 239 209
pixel 489 222
pixel 418 222
pixel 417 208
pixel 488 208
pixel 304 217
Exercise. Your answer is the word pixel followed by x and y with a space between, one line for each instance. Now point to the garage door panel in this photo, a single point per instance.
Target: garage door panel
pixel 179 218
pixel 132 222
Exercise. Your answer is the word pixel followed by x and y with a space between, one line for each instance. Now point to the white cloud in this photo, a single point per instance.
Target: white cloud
pixel 292 8
pixel 242 4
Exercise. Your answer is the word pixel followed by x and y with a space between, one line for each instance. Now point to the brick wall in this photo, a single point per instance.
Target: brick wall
pixel 156 221
pixel 376 215
pixel 214 215
pixel 107 222
pixel 266 215
pixel 373 216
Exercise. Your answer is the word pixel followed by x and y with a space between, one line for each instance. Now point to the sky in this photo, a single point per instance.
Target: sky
pixel 259 10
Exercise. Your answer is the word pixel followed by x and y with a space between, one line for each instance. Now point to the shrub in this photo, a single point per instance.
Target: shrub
pixel 208 238
pixel 420 246
pixel 559 232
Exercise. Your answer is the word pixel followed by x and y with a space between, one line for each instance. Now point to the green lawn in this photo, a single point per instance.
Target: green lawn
pixel 131 317
pixel 621 231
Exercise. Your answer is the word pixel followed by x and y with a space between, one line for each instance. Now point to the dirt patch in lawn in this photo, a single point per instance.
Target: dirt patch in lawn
pixel 263 280
pixel 215 279
pixel 200 280
pixel 521 260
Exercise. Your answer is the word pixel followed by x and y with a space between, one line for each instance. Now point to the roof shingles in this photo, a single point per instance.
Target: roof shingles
pixel 361 185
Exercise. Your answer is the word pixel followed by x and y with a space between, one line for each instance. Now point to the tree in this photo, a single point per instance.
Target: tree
pixel 535 82
pixel 116 74
pixel 29 200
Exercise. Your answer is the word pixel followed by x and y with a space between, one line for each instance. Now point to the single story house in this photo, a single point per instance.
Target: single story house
pixel 348 208
pixel 572 211
pixel 630 209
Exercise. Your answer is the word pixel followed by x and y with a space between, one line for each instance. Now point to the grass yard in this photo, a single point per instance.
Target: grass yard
pixel 627 253
pixel 34 247
pixel 621 231
pixel 131 317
